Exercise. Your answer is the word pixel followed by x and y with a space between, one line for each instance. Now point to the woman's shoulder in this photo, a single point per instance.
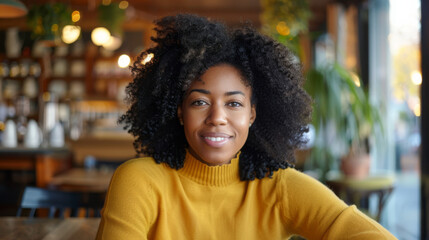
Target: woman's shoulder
pixel 299 187
pixel 139 162
pixel 296 181
pixel 141 168
pixel 289 174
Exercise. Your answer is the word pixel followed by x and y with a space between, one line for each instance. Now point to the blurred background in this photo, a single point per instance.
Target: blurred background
pixel 64 68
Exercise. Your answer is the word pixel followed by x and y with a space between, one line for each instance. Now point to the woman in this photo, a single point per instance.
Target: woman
pixel 219 114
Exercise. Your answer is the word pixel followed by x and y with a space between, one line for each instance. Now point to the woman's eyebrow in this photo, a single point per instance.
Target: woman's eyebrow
pixel 203 91
pixel 200 91
pixel 234 92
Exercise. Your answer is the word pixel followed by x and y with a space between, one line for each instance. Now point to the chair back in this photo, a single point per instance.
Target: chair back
pixel 90 162
pixel 58 202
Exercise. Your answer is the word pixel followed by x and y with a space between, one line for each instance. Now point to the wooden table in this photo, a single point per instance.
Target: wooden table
pixel 353 191
pixel 42 228
pixel 79 179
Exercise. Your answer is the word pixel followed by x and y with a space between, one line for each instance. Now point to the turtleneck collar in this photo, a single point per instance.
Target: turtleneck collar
pixel 211 175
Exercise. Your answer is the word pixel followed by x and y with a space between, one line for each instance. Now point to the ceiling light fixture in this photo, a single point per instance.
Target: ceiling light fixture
pixel 70 33
pixel 12 9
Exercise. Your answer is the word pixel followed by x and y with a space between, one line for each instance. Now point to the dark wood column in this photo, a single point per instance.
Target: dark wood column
pixel 425 121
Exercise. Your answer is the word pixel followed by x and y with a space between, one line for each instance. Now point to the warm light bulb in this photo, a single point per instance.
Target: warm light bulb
pixel 75 16
pixel 113 43
pixel 416 77
pixel 124 61
pixel 70 34
pixel 100 36
pixel 147 58
pixel 123 5
pixel 282 28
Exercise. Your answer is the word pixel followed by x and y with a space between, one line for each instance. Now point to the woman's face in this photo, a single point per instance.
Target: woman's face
pixel 216 113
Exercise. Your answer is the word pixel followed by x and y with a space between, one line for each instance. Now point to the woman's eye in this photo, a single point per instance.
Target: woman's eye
pixel 235 104
pixel 199 103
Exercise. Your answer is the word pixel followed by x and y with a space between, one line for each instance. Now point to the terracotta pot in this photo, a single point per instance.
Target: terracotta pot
pixel 355 165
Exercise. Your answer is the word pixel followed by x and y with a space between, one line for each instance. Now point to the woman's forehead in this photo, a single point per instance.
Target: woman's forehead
pixel 223 77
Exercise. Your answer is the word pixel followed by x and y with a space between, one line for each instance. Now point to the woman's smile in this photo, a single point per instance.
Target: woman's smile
pixel 216 140
pixel 216 113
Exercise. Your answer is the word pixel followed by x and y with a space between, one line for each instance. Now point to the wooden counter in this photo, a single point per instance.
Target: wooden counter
pixel 115 147
pixel 45 161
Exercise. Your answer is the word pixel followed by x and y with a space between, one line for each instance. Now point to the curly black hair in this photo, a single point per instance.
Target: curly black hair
pixel 186 46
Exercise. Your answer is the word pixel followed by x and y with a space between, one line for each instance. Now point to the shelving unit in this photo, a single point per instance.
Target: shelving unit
pixel 22 76
pixel 90 88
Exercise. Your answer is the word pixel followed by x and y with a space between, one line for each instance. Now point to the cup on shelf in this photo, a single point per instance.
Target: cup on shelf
pixel 58 87
pixel 60 68
pixel 24 68
pixel 14 70
pixel 33 137
pixel 4 70
pixel 35 69
pixel 30 87
pixel 13 43
pixel 76 90
pixel 10 138
pixel 56 138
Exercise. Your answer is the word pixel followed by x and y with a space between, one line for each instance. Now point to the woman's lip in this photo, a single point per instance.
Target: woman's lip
pixel 216 139
pixel 215 134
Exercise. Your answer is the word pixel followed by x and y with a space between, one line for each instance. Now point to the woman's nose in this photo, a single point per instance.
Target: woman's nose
pixel 216 116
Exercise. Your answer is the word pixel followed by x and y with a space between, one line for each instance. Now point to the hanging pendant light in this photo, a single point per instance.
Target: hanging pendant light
pixel 100 36
pixel 12 9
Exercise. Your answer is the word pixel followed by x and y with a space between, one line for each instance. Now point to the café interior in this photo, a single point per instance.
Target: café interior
pixel 64 68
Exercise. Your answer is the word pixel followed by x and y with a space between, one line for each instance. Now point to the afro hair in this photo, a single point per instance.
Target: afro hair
pixel 186 46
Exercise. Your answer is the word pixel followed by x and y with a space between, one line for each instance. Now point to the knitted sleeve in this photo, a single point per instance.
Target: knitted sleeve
pixel 129 208
pixel 313 211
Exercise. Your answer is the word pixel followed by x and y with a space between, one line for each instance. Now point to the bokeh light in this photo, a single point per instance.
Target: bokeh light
pixel 355 78
pixel 123 5
pixel 147 58
pixel 70 34
pixel 113 43
pixel 416 77
pixel 282 29
pixel 100 36
pixel 75 16
pixel 124 61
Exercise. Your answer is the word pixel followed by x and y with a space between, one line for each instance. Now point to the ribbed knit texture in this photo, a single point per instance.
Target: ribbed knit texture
pixel 210 175
pixel 147 200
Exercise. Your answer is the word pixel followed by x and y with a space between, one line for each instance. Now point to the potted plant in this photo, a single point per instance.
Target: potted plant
pixel 112 17
pixel 344 121
pixel 47 21
pixel 285 20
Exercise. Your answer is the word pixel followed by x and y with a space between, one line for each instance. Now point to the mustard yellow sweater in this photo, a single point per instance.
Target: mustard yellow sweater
pixel 147 200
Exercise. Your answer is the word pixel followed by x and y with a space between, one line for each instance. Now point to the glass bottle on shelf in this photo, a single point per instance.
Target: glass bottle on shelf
pixel 48 115
pixel 22 108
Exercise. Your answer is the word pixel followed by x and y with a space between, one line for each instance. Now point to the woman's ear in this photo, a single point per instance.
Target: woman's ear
pixel 252 114
pixel 179 114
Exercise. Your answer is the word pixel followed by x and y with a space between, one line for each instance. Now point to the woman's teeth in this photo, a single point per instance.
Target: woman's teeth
pixel 215 139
